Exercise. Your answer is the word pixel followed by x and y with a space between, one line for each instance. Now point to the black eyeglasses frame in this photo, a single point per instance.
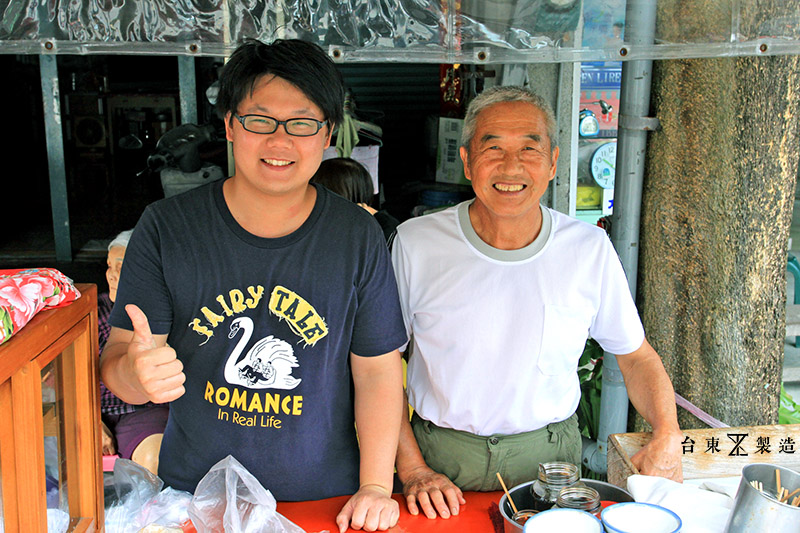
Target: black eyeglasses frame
pixel 242 118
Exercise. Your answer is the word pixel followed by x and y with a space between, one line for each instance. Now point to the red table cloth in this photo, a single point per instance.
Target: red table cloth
pixel 474 517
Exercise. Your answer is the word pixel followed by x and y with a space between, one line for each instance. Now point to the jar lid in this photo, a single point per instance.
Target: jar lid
pixel 522 516
pixel 584 498
pixel 558 473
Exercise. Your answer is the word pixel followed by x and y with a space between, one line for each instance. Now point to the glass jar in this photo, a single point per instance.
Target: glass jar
pixel 583 498
pixel 522 516
pixel 552 478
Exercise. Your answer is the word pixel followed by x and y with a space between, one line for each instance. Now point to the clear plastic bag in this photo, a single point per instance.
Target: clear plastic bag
pixel 142 503
pixel 230 499
pixel 57 521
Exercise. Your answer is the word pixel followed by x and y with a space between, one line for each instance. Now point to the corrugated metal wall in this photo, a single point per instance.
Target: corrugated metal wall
pixel 398 97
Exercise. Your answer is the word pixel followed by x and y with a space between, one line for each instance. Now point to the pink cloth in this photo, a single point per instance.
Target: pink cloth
pixel 25 292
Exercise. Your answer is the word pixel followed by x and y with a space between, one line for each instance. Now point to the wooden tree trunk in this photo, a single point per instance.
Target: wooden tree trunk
pixel 717 206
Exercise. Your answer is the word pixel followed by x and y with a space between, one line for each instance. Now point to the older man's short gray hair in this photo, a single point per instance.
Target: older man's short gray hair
pixel 121 240
pixel 506 93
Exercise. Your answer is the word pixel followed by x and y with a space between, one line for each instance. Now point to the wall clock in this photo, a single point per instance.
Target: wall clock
pixel 603 164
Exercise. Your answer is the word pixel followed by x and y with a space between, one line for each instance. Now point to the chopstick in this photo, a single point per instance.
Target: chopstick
pixel 508 495
pixel 781 490
pixel 783 495
pixel 789 495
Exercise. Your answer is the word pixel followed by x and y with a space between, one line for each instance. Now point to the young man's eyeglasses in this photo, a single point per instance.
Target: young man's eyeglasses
pixel 298 127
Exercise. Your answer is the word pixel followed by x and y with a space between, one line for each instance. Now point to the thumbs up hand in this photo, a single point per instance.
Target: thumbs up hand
pixel 156 368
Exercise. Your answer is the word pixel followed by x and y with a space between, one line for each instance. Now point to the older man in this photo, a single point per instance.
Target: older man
pixel 500 295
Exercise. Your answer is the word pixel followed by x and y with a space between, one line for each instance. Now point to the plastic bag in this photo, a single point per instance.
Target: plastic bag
pixel 142 503
pixel 230 499
pixel 57 521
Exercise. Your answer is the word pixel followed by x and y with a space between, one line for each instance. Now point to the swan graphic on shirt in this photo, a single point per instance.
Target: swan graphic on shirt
pixel 267 364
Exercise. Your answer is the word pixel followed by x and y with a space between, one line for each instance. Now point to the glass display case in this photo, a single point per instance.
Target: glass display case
pixel 50 457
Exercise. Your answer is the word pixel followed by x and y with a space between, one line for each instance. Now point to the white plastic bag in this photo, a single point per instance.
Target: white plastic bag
pixel 230 499
pixel 57 521
pixel 141 502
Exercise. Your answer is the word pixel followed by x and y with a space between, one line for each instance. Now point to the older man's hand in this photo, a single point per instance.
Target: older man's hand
pixel 661 456
pixel 434 493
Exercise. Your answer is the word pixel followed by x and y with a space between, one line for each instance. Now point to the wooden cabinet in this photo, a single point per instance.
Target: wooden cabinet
pixel 50 447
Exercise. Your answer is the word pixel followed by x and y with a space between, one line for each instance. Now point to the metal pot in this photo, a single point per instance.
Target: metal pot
pixel 521 494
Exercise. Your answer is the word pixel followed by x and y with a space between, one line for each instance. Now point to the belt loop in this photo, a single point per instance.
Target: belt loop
pixel 551 432
pixel 426 425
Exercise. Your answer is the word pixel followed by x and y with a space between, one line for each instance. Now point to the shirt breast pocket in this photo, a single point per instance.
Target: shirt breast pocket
pixel 563 339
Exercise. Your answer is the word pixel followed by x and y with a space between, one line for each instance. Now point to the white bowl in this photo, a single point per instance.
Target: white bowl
pixel 637 517
pixel 572 520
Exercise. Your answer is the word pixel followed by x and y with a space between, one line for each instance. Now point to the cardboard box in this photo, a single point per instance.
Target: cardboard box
pixel 449 168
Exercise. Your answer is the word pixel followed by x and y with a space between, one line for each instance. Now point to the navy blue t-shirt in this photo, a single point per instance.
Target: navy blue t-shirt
pixel 264 328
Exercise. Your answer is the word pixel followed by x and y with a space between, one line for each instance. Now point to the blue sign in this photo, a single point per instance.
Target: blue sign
pixel 606 77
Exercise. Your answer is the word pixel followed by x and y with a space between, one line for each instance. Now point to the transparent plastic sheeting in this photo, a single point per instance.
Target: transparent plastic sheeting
pixel 431 31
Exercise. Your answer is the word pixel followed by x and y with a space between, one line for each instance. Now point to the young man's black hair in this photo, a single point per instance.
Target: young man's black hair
pixel 305 65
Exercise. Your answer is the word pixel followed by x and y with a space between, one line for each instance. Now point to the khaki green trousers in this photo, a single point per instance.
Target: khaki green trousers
pixel 472 461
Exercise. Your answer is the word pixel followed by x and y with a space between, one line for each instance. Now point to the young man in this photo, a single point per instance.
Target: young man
pixel 499 295
pixel 278 302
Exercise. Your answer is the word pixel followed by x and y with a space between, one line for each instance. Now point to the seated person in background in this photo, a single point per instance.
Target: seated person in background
pixel 350 179
pixel 499 295
pixel 137 429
